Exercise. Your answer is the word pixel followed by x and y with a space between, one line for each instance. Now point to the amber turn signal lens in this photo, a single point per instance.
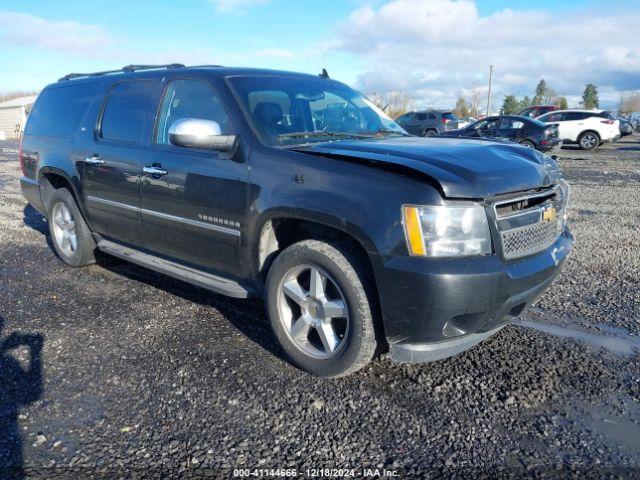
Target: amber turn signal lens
pixel 413 229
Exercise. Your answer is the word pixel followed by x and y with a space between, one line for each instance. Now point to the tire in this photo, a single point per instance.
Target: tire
pixel 527 143
pixel 588 140
pixel 70 235
pixel 351 324
pixel 429 133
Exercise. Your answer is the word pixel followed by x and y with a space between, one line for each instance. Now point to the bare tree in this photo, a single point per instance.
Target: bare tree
pixel 629 102
pixel 475 101
pixel 395 103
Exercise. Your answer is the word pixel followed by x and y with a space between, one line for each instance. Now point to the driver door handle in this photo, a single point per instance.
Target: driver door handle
pixel 151 170
pixel 94 159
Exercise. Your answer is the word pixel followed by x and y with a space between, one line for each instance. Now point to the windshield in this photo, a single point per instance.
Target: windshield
pixel 295 110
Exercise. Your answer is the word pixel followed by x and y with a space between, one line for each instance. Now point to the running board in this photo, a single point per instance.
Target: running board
pixel 175 270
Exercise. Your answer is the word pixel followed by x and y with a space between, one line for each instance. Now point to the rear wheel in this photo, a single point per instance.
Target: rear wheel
pixel 319 309
pixel 527 143
pixel 70 234
pixel 429 133
pixel 588 140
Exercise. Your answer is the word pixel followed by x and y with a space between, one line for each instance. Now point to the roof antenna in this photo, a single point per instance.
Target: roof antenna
pixel 324 73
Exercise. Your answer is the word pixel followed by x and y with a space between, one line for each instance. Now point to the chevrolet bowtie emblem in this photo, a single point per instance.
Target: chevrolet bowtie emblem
pixel 549 214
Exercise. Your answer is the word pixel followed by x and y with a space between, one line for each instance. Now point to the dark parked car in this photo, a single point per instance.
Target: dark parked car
pixel 626 127
pixel 535 111
pixel 523 130
pixel 428 123
pixel 297 189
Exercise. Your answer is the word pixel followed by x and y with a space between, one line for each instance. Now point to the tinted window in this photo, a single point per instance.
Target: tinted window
pixel 432 116
pixel 421 116
pixel 487 124
pixel 569 116
pixel 552 117
pixel 59 111
pixel 123 115
pixel 404 118
pixel 189 99
pixel 512 123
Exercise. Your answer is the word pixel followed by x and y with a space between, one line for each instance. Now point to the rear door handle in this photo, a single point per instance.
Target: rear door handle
pixel 151 170
pixel 94 160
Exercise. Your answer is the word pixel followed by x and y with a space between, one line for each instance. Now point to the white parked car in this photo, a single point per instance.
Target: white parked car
pixel 587 128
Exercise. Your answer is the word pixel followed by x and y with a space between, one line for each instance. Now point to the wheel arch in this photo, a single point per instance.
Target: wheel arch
pixel 590 130
pixel 279 228
pixel 51 179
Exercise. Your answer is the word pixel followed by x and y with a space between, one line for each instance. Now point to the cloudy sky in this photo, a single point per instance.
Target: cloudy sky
pixel 434 50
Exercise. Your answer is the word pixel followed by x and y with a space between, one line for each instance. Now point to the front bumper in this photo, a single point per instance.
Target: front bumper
pixel 433 309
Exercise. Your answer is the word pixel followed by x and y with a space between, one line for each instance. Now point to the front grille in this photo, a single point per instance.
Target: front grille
pixel 524 241
pixel 525 225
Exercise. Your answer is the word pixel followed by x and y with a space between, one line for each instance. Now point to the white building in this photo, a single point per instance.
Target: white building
pixel 13 115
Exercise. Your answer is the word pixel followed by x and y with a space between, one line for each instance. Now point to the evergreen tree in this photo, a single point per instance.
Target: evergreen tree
pixel 562 103
pixel 510 105
pixel 462 109
pixel 590 96
pixel 541 92
pixel 525 103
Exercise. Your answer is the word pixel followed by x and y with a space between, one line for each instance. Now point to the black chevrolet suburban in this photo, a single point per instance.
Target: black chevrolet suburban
pixel 298 189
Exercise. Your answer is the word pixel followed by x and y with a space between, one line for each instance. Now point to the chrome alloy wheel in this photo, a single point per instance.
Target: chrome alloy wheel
pixel 313 311
pixel 588 141
pixel 64 229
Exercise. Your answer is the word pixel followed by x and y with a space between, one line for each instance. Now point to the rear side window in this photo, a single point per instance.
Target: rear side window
pixel 59 111
pixel 572 116
pixel 124 111
pixel 512 123
pixel 421 116
pixel 552 117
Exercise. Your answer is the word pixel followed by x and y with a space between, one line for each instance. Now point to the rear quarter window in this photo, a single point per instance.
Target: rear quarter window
pixel 124 112
pixel 59 110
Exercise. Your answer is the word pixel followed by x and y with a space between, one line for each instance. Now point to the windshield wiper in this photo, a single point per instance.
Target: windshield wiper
pixel 320 133
pixel 389 131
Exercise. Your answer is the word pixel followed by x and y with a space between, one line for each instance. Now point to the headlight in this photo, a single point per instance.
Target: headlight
pixel 446 231
pixel 565 188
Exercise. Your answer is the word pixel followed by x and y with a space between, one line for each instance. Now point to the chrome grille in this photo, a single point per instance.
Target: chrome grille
pixel 522 225
pixel 521 242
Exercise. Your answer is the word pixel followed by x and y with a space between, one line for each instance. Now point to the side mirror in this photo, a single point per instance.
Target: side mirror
pixel 198 133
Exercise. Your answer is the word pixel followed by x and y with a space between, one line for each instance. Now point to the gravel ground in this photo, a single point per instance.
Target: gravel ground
pixel 132 371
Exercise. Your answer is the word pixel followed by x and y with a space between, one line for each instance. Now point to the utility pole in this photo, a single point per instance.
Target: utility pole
pixel 489 94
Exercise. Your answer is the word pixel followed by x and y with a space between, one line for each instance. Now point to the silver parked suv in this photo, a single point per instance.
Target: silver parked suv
pixel 427 123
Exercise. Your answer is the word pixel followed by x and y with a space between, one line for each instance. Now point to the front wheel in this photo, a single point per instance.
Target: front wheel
pixel 589 140
pixel 319 308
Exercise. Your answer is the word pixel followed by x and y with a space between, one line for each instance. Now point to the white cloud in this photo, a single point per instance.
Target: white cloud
pixel 434 49
pixel 236 6
pixel 20 29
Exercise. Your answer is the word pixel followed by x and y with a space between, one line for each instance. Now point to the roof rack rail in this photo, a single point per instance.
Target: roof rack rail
pixel 127 69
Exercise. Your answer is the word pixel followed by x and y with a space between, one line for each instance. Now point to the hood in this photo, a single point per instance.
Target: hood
pixel 464 168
